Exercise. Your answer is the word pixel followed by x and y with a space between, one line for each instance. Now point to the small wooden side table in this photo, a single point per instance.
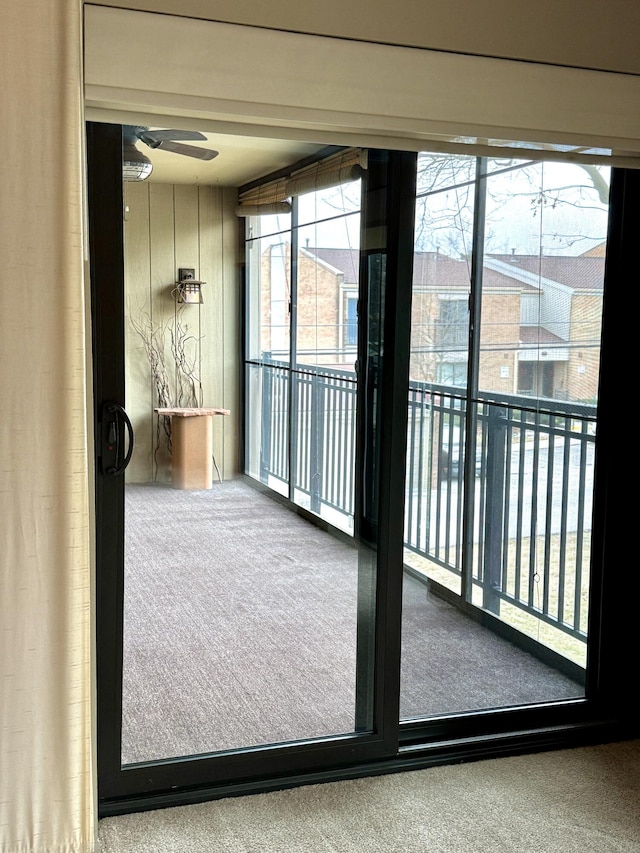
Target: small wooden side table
pixel 191 450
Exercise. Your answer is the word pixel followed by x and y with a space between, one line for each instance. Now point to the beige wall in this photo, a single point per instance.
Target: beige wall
pixel 167 227
pixel 588 34
pixel 47 779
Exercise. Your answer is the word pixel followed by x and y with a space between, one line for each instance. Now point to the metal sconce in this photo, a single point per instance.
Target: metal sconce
pixel 187 289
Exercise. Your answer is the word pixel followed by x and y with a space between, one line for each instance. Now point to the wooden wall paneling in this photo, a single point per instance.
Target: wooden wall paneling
pixel 211 262
pixel 169 227
pixel 185 199
pixel 138 385
pixel 163 277
pixel 232 329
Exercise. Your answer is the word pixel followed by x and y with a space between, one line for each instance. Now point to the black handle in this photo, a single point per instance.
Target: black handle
pixel 113 457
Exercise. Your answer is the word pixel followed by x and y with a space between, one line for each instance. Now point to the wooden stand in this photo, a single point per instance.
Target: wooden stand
pixel 191 450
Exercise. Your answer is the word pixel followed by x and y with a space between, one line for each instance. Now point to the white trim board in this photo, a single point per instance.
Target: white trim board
pixel 261 82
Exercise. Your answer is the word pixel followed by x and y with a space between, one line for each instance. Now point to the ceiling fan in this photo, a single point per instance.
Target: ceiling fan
pixel 136 166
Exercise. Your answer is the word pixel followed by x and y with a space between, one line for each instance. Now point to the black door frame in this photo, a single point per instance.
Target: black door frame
pixel 608 710
pixel 188 779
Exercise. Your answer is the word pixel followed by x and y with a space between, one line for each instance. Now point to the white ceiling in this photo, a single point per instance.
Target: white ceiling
pixel 241 159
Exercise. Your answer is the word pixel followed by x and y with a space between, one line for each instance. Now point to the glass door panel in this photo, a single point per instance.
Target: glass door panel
pixel 439 367
pixel 240 624
pixel 501 434
pixel 268 343
pixel 539 354
pixel 324 382
pixel 242 621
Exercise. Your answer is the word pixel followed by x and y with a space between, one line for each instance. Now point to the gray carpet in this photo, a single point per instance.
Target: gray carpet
pixel 584 800
pixel 240 626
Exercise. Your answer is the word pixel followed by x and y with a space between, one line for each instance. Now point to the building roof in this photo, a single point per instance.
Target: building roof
pixel 580 273
pixel 598 251
pixel 345 260
pixel 433 269
pixel 539 335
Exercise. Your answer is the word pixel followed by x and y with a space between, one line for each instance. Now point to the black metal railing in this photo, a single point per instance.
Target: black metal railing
pixel 527 528
pixel 274 422
pixel 325 407
pixel 539 485
pixel 321 448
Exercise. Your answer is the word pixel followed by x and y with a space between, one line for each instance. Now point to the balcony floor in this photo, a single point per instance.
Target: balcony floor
pixel 240 630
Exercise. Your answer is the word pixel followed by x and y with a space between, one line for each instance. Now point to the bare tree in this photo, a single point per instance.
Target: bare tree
pixel 445 200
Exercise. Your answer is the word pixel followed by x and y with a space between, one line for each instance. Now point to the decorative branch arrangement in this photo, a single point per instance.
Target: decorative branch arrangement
pixel 186 390
pixel 189 386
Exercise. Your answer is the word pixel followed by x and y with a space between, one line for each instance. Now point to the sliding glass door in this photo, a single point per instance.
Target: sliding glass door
pixel 236 639
pixel 408 546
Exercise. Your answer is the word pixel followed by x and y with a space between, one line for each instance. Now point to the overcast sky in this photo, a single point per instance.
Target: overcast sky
pixel 549 207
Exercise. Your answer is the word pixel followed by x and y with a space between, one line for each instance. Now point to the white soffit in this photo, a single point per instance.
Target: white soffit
pixel 251 81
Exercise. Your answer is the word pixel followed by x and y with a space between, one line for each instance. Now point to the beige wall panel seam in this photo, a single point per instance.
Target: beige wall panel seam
pixel 187 242
pixel 211 344
pixel 186 227
pixel 162 241
pixel 232 325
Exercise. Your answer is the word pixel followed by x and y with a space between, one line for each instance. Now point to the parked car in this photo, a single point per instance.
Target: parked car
pixel 452 454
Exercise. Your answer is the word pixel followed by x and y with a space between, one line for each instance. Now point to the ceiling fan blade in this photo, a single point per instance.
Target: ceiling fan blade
pixel 149 136
pixel 187 150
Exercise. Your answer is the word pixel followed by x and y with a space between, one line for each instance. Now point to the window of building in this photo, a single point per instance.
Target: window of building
pixel 351 319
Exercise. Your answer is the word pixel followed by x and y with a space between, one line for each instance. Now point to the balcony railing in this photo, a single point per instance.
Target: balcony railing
pixel 527 525
pixel 323 443
pixel 519 535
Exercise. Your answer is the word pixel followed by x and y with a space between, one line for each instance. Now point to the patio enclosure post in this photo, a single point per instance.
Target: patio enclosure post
pixel 316 452
pixel 265 426
pixel 494 514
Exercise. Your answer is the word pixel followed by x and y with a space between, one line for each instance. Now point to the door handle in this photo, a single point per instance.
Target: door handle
pixel 114 458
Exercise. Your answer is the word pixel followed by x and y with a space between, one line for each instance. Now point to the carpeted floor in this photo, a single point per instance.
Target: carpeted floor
pixel 240 629
pixel 583 800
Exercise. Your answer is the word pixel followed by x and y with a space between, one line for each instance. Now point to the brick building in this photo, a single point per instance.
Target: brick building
pixel 327 293
pixel 539 330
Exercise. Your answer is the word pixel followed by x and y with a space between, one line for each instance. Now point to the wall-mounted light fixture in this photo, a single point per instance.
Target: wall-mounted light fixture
pixel 187 289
